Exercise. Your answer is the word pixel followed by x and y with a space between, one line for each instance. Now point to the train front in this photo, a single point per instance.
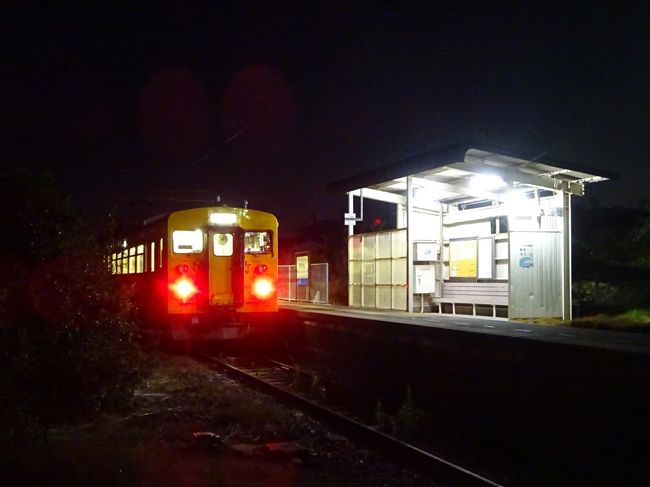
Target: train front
pixel 222 269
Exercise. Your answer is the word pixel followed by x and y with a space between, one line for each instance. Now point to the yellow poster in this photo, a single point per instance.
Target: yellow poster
pixel 302 267
pixel 462 258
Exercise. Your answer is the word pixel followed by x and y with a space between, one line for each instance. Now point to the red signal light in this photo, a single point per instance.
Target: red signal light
pixel 263 287
pixel 261 269
pixel 184 289
pixel 183 268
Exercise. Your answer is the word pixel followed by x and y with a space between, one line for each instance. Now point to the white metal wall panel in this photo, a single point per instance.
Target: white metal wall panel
pixel 501 247
pixel 550 222
pixel 501 271
pixel 535 274
pixel 523 223
pixel 480 228
pixel 485 258
pixel 426 226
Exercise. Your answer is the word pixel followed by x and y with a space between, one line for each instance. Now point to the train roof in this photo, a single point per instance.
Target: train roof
pixel 162 216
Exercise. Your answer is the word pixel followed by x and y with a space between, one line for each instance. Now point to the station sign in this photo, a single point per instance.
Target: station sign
pixel 302 268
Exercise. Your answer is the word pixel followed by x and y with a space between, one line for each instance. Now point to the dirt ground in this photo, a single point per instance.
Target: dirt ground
pixel 192 427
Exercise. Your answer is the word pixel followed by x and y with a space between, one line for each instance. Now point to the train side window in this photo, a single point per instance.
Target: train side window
pixel 125 262
pixel 152 264
pixel 187 241
pixel 223 245
pixel 139 260
pixel 257 242
pixel 160 257
pixel 132 260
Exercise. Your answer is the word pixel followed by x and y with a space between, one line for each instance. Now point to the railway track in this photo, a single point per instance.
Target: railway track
pixel 346 410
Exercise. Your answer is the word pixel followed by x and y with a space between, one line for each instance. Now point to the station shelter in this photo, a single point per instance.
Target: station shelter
pixel 478 231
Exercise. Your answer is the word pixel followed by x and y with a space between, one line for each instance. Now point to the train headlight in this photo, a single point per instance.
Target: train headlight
pixel 263 287
pixel 223 218
pixel 184 289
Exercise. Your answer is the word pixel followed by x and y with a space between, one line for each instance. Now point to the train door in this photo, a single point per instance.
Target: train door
pixel 226 268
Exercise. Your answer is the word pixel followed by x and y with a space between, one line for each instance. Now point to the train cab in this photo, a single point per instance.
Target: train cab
pixel 207 273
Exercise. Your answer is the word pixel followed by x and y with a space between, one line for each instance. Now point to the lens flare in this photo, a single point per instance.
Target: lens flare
pixel 184 289
pixel 263 287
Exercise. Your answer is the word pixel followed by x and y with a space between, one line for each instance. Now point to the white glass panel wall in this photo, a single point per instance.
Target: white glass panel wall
pixel 377 270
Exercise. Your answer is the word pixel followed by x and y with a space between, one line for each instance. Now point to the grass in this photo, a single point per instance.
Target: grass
pixel 633 320
pixel 636 320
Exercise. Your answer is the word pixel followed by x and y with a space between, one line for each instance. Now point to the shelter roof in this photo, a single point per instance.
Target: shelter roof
pixel 471 171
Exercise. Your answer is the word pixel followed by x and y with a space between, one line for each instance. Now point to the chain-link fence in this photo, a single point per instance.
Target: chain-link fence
pixel 317 290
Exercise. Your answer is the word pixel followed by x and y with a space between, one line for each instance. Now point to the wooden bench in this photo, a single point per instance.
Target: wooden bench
pixel 473 293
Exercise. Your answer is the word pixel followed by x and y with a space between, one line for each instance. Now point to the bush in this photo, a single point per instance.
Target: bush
pixel 596 294
pixel 68 346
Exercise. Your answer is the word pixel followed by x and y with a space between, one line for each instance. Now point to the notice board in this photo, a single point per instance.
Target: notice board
pixel 463 258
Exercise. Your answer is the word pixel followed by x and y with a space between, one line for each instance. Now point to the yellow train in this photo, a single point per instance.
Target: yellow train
pixel 203 273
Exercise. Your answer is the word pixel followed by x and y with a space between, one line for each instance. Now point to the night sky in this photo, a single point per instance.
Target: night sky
pixel 270 101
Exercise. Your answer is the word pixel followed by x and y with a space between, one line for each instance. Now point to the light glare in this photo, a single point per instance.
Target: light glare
pixel 486 182
pixel 263 288
pixel 519 204
pixel 184 289
pixel 223 218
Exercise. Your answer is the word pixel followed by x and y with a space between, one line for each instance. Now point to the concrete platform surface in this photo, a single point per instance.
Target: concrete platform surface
pixel 603 339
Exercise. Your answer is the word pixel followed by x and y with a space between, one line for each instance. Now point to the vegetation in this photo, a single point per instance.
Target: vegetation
pixel 409 421
pixel 67 339
pixel 153 441
pixel 611 265
pixel 633 320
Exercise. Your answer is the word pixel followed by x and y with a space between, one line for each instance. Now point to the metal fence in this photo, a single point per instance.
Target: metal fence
pixel 316 292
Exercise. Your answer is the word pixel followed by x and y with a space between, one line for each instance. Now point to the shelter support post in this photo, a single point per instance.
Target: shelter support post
pixel 566 256
pixel 350 211
pixel 409 245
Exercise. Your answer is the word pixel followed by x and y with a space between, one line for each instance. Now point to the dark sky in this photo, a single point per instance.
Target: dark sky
pixel 270 101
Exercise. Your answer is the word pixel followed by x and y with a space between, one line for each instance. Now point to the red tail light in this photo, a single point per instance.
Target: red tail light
pixel 184 289
pixel 263 287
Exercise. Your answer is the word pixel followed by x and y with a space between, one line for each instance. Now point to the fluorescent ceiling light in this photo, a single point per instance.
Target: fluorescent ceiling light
pixel 486 182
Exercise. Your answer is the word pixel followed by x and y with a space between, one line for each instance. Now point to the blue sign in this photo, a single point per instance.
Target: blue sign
pixel 302 282
pixel 526 262
pixel 526 256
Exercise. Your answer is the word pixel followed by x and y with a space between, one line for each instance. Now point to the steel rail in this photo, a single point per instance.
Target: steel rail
pixel 433 466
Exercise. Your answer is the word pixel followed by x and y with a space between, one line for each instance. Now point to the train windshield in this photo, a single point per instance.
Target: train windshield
pixel 187 241
pixel 257 242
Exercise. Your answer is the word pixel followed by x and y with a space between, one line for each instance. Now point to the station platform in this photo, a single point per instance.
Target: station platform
pixel 601 339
